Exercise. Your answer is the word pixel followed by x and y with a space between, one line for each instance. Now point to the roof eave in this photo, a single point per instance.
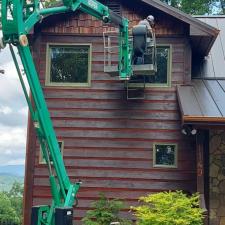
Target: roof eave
pixel 203 121
pixel 213 39
pixel 182 16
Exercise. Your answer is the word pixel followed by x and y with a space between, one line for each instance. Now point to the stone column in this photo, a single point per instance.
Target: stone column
pixel 217 178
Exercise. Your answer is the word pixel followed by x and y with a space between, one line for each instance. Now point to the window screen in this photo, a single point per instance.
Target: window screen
pixel 165 155
pixel 69 64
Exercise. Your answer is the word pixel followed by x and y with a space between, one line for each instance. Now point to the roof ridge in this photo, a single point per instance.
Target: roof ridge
pixel 208 16
pixel 208 78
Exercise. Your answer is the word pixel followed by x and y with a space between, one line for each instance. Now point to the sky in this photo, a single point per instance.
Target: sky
pixel 13 114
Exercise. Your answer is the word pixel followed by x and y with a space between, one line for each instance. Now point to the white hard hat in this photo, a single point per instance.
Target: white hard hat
pixel 150 18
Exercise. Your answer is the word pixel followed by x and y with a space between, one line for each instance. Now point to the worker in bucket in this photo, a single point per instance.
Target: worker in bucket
pixel 144 41
pixel 149 22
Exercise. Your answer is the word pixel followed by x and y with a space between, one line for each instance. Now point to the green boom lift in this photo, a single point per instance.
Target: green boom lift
pixel 18 18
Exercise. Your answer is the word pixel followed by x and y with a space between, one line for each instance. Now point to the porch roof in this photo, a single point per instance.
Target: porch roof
pixel 203 102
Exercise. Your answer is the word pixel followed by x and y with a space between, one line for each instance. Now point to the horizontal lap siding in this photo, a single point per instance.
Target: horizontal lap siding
pixel 108 141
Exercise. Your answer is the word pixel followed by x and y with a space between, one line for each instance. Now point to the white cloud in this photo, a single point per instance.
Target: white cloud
pixel 13 114
pixel 9 136
pixel 8 152
pixel 20 161
pixel 12 145
pixel 24 111
pixel 5 110
pixel 10 85
pixel 5 56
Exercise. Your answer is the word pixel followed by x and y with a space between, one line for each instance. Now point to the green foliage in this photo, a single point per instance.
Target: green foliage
pixel 0 14
pixel 11 205
pixel 170 208
pixel 8 214
pixel 198 7
pixel 105 211
pixel 51 3
pixel 16 198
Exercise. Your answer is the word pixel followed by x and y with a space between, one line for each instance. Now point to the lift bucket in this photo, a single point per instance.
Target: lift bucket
pixel 148 65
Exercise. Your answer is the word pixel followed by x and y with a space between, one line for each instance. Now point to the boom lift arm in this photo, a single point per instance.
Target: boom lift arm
pixel 18 18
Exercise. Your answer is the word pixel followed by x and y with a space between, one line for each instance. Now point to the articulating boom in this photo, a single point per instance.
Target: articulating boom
pixel 18 18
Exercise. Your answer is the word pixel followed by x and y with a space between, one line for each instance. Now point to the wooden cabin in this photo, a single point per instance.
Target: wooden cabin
pixel 125 148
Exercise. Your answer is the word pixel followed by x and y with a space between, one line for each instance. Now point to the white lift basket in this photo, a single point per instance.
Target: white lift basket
pixel 145 65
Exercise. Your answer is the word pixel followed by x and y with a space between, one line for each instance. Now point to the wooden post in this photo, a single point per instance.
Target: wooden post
pixel 201 140
pixel 29 174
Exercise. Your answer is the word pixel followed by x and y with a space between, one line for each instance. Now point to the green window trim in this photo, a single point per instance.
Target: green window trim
pixel 48 82
pixel 175 164
pixel 42 160
pixel 169 70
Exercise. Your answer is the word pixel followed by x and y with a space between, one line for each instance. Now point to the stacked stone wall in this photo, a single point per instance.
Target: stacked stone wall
pixel 217 178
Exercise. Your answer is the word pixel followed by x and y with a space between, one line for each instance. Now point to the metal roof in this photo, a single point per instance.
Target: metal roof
pixel 203 101
pixel 213 65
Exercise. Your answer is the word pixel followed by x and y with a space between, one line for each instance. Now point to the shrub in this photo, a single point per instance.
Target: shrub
pixel 105 211
pixel 169 208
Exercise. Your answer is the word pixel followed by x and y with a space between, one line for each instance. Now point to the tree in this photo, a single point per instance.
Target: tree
pixel 16 197
pixel 11 205
pixel 0 14
pixel 1 70
pixel 221 5
pixel 199 7
pixel 105 212
pixel 8 214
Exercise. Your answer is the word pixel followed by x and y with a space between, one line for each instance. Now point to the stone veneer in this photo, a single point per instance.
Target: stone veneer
pixel 217 178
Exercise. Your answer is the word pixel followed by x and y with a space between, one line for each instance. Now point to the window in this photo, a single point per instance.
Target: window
pixel 68 65
pixel 165 155
pixel 162 77
pixel 41 158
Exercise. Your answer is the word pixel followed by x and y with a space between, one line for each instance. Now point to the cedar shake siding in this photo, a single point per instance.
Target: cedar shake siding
pixel 108 140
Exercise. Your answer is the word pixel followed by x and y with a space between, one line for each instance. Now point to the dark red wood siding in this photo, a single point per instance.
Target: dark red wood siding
pixel 108 140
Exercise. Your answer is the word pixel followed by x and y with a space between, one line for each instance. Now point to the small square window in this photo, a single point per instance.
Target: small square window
pixel 68 65
pixel 41 158
pixel 165 155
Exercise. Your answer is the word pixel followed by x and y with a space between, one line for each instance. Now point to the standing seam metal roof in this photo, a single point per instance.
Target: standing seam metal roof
pixel 214 64
pixel 203 101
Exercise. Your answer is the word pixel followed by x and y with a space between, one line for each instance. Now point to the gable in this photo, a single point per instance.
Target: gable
pixel 193 22
pixel 82 23
pixel 168 19
pixel 202 35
